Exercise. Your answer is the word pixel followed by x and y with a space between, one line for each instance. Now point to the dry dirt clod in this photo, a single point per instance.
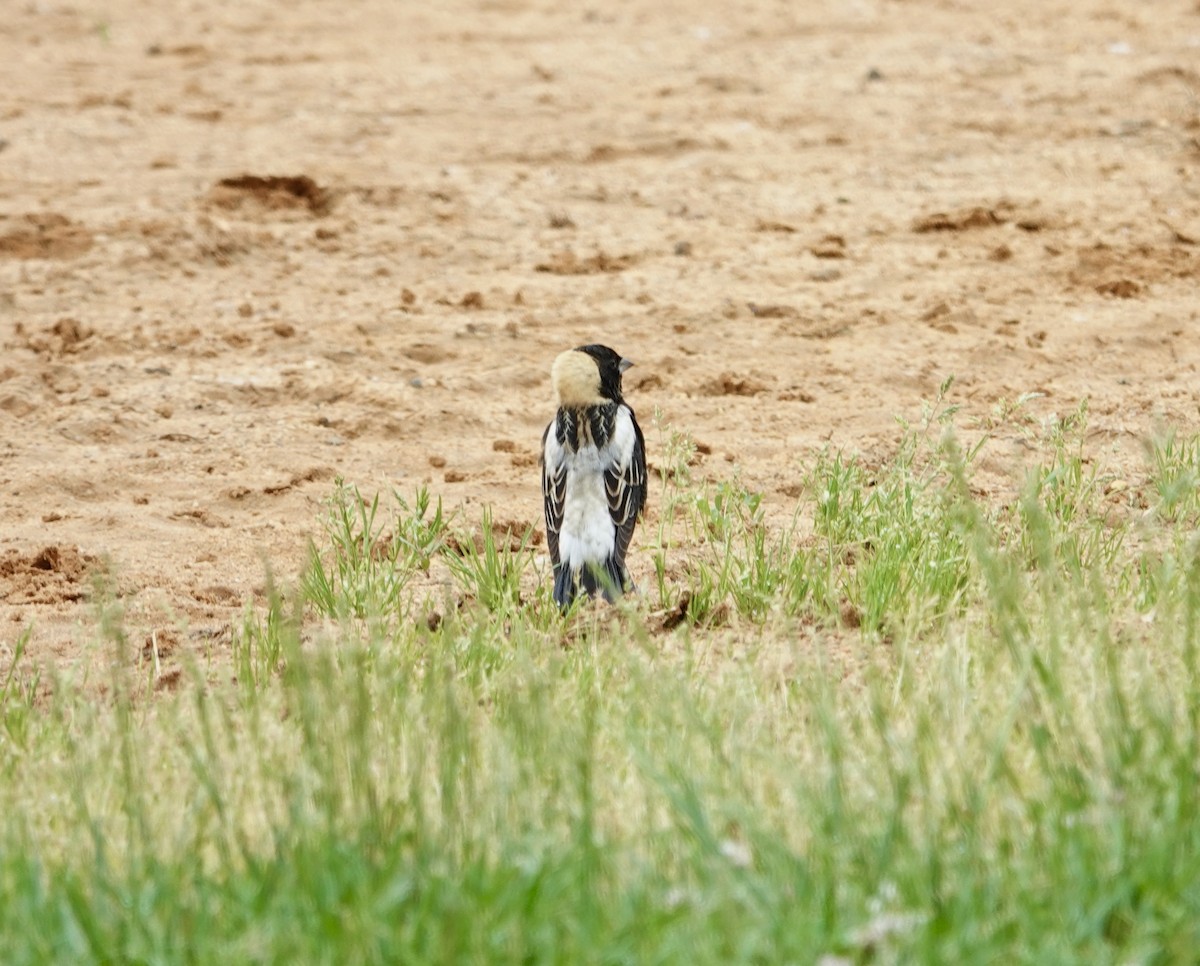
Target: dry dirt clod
pixel 43 235
pixel 771 311
pixel 272 192
pixel 830 246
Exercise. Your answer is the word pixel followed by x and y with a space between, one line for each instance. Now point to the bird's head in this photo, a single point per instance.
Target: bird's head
pixel 588 376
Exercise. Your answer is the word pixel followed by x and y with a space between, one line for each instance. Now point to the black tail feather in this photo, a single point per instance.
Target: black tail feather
pixel 607 579
pixel 564 586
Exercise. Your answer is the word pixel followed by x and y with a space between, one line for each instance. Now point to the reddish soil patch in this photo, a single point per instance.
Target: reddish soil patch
pixel 42 235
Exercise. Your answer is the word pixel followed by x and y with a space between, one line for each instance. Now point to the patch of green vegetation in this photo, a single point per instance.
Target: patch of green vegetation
pixel 912 725
pixel 887 547
pixel 370 557
pixel 491 571
pixel 18 693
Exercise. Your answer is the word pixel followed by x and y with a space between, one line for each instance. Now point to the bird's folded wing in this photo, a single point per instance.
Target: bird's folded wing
pixel 625 480
pixel 554 489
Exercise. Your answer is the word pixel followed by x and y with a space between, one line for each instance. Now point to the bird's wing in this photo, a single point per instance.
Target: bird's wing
pixel 554 488
pixel 625 480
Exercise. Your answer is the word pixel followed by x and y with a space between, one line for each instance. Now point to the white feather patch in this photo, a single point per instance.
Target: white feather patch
pixel 587 534
pixel 624 438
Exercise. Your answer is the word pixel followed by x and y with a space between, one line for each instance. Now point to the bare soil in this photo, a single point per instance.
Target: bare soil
pixel 246 247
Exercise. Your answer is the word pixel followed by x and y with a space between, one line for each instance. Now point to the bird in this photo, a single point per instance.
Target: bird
pixel 593 462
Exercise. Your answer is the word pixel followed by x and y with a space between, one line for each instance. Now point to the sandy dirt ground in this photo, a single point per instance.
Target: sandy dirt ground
pixel 248 246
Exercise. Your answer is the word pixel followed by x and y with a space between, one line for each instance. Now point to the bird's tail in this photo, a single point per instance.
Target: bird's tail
pixel 607 579
pixel 564 586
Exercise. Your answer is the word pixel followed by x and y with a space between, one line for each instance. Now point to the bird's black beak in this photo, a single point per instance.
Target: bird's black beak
pixel 624 364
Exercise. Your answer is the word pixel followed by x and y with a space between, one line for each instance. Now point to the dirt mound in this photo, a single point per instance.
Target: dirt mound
pixel 271 193
pixel 42 235
pixel 52 575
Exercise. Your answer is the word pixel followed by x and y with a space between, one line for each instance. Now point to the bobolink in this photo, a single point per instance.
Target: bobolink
pixel 593 475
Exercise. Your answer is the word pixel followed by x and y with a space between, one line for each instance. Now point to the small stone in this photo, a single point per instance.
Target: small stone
pixel 825 275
